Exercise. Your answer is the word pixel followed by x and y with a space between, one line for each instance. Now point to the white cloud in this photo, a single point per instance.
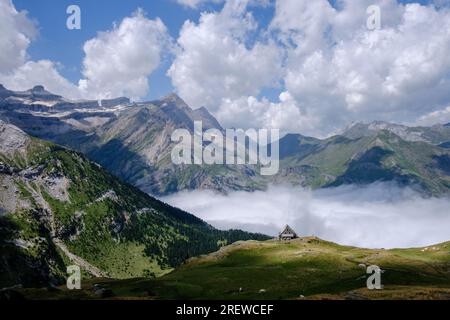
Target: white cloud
pixel 216 61
pixel 16 73
pixel 42 72
pixel 194 4
pixel 250 112
pixel 303 23
pixel 440 116
pixel 16 33
pixel 335 70
pixel 118 62
pixel 339 71
pixel 347 215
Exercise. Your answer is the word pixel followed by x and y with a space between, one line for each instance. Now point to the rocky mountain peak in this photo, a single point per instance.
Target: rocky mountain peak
pixel 383 125
pixel 38 89
pixel 175 100
pixel 40 92
pixel 209 121
pixel 115 102
pixel 172 97
pixel 360 129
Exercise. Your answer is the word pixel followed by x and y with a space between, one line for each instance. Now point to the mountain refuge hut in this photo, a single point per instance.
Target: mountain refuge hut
pixel 287 234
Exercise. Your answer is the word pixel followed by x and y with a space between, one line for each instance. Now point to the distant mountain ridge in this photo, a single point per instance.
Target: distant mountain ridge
pixel 436 134
pixel 132 141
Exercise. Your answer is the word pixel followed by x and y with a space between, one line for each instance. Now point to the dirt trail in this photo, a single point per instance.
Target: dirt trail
pixel 79 261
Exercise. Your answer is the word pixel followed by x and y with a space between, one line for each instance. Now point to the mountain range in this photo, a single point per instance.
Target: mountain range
pixel 132 141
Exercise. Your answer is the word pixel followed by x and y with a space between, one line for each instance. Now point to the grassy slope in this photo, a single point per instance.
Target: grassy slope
pixel 309 267
pixel 303 267
pixel 339 160
pixel 129 234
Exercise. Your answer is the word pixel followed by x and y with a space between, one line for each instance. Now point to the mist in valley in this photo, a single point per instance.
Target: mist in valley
pixel 381 215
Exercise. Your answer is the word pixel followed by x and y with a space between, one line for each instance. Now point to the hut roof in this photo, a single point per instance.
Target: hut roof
pixel 288 230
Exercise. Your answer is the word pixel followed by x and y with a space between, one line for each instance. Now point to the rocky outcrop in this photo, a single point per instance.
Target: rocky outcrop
pixel 12 139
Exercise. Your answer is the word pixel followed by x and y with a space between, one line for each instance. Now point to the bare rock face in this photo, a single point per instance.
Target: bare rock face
pixel 12 139
pixel 57 187
pixel 8 194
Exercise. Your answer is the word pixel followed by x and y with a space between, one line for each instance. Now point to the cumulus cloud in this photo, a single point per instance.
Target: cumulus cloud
pixel 377 216
pixel 334 68
pixel 43 72
pixel 251 112
pixel 118 62
pixel 16 33
pixel 440 116
pixel 340 71
pixel 194 4
pixel 216 61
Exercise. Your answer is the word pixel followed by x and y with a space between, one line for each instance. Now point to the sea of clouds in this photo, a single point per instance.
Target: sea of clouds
pixel 380 215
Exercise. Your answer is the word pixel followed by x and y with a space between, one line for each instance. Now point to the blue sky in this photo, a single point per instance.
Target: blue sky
pixel 55 42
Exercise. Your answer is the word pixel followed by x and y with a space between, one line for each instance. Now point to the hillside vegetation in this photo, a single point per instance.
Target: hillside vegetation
pixel 58 206
pixel 305 268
